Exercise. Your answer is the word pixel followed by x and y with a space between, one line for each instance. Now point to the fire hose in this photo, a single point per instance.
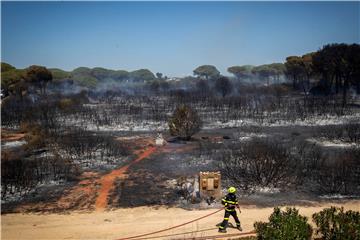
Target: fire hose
pixel 167 229
pixel 173 227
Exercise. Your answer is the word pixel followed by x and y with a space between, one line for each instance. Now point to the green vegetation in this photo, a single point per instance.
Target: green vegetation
pixel 91 77
pixel 241 72
pixel 6 67
pixel 332 69
pixel 336 67
pixel 81 71
pixel 266 71
pixel 85 81
pixel 59 74
pixel 263 72
pixel 83 77
pixel 334 223
pixel 10 77
pixel 142 75
pixel 288 224
pixel 16 81
pixel 294 69
pixel 120 75
pixel 38 76
pixel 207 71
pixel 101 73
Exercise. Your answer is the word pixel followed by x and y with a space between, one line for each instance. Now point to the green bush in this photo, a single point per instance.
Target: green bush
pixel 6 67
pixel 334 223
pixel 85 80
pixel 142 75
pixel 284 225
pixel 59 74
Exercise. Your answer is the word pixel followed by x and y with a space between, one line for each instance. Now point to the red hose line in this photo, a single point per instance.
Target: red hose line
pixel 167 229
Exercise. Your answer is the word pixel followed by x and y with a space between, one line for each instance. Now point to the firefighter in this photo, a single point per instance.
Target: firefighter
pixel 230 202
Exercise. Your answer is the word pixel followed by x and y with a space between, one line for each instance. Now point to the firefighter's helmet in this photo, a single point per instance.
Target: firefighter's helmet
pixel 232 190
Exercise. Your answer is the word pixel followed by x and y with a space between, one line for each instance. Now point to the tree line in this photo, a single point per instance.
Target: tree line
pixel 331 69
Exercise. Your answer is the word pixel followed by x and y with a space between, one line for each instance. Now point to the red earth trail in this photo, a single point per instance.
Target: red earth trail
pixel 107 181
pixel 8 135
pixel 86 195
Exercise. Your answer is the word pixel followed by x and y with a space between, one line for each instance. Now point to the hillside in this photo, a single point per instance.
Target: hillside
pixel 84 76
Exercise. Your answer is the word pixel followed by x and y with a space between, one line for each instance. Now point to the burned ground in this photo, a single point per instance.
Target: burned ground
pixel 148 182
pixel 95 155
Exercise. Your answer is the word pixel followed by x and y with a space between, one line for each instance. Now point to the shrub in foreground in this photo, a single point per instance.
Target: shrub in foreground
pixel 288 224
pixel 334 223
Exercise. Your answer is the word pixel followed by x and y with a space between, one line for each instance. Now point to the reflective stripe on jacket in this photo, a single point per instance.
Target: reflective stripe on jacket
pixel 229 201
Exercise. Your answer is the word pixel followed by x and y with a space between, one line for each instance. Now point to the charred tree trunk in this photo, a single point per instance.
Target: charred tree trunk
pixel 345 88
pixel 294 81
pixel 337 83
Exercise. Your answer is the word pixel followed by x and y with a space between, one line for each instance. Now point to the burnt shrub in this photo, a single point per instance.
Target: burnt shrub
pixel 88 149
pixel 20 175
pixel 223 86
pixel 66 104
pixel 259 163
pixel 334 223
pixel 331 132
pixel 35 136
pixel 184 122
pixel 353 131
pixel 341 176
pixel 349 132
pixel 288 224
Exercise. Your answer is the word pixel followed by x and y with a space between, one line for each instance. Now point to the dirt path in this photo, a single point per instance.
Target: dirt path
pixel 107 181
pixel 91 193
pixel 9 135
pixel 133 221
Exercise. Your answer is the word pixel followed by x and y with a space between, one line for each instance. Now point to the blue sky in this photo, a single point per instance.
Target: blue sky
pixel 170 37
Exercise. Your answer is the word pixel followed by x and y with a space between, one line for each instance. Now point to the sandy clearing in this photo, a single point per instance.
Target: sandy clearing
pixel 133 221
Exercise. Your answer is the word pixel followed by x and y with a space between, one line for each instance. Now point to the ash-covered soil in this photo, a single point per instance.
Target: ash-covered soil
pixel 157 178
pixel 149 182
